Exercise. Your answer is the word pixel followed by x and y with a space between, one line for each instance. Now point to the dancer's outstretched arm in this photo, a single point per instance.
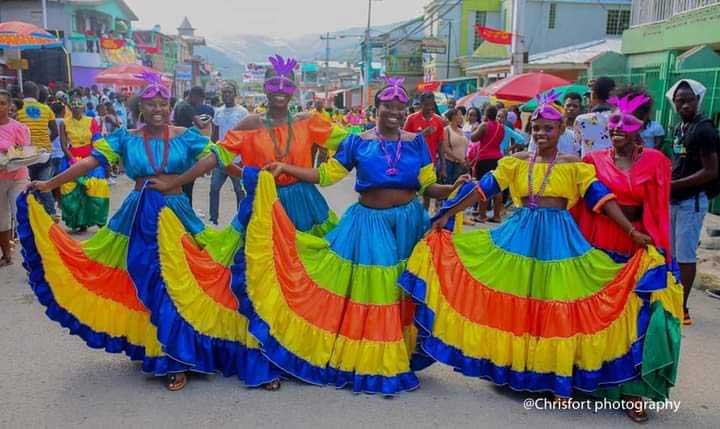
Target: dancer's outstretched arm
pixel 78 169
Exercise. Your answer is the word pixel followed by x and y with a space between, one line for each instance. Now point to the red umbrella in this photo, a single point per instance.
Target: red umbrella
pixel 523 87
pixel 126 75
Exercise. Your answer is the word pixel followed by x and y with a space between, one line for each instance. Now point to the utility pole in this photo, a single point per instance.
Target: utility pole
pixel 327 40
pixel 44 14
pixel 449 46
pixel 366 60
pixel 517 56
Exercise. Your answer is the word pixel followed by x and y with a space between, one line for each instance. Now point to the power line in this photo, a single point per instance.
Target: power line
pixel 423 26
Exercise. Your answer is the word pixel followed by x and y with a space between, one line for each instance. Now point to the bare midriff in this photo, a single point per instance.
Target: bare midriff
pixel 549 202
pixel 385 198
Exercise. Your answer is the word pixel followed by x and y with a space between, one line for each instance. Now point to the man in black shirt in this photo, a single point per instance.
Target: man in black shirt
pixel 193 112
pixel 695 172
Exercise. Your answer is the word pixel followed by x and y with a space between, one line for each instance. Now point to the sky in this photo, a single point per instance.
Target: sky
pixel 279 18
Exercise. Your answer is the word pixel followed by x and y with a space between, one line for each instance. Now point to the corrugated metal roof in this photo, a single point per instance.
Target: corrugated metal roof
pixel 122 4
pixel 576 54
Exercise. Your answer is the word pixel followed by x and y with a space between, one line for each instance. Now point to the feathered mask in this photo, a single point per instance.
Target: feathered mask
pixel 546 108
pixel 394 90
pixel 622 118
pixel 155 86
pixel 282 81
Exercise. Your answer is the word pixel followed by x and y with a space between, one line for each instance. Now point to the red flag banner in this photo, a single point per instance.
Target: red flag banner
pixel 494 36
pixel 427 86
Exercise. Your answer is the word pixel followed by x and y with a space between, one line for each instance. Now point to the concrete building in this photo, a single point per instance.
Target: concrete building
pixel 454 22
pixel 549 25
pixel 97 33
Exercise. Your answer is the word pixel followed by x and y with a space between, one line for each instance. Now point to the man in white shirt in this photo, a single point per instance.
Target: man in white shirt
pixel 225 119
pixel 591 128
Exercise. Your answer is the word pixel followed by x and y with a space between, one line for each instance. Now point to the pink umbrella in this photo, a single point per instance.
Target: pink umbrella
pixel 126 75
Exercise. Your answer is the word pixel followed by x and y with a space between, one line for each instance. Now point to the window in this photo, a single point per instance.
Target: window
pixel 552 15
pixel 617 21
pixel 481 20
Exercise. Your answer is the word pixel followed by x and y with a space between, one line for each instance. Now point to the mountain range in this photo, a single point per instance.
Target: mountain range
pixel 229 53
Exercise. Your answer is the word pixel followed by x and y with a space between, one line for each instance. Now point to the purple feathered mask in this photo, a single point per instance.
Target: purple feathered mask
pixel 394 90
pixel 622 118
pixel 155 86
pixel 282 81
pixel 546 108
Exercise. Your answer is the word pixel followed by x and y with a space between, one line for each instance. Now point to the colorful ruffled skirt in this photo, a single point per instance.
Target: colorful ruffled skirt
pixel 532 305
pixel 307 208
pixel 85 202
pixel 143 286
pixel 328 310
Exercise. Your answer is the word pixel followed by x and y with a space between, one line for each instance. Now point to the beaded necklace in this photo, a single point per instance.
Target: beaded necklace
pixel 534 199
pixel 391 162
pixel 279 156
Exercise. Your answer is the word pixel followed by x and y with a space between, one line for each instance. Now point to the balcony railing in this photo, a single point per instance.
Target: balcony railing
pixel 404 65
pixel 650 11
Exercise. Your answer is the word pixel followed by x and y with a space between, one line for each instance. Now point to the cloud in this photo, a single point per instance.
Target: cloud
pixel 279 18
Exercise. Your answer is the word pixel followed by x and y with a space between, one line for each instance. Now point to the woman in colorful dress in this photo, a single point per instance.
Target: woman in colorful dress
pixel 639 177
pixel 85 201
pixel 277 135
pixel 532 304
pixel 108 289
pixel 328 310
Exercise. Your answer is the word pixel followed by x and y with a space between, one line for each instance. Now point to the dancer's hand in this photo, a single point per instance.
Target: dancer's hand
pixel 275 168
pixel 641 239
pixel 38 185
pixel 461 180
pixel 440 222
pixel 163 185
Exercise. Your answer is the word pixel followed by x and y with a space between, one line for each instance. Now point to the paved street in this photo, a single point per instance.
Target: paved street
pixel 51 379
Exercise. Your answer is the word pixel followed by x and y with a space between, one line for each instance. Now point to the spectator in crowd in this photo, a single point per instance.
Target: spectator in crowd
pixel 40 119
pixel 453 149
pixel 652 133
pixel 591 128
pixel 484 155
pixel 117 102
pixel 12 183
pixel 107 119
pixel 226 118
pixel 193 112
pixel 60 150
pixel 694 178
pixel 472 122
pixel 428 123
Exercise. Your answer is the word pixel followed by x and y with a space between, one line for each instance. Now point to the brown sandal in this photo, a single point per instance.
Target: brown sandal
pixel 176 381
pixel 637 412
pixel 5 261
pixel 272 386
pixel 637 416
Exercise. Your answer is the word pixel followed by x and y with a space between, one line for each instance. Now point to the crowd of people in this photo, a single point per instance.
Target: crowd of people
pixel 583 288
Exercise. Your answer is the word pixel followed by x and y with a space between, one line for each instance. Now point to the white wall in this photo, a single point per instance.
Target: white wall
pixel 576 22
pixel 31 12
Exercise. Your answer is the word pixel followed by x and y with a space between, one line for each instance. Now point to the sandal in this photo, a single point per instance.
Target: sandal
pixel 478 219
pixel 493 220
pixel 272 386
pixel 687 320
pixel 5 261
pixel 176 381
pixel 637 416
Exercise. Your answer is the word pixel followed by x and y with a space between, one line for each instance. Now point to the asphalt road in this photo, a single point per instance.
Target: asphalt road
pixel 51 379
